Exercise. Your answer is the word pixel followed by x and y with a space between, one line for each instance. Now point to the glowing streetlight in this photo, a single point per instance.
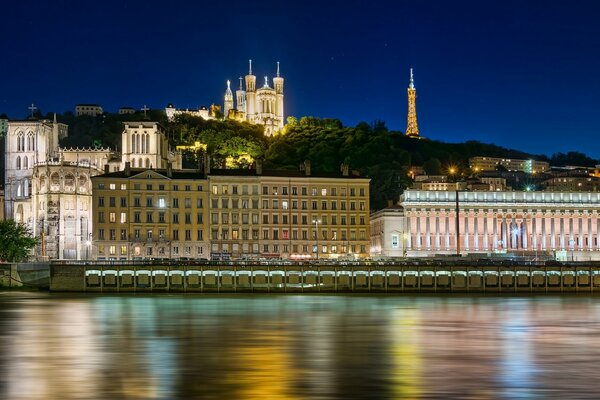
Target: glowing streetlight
pixel 317 222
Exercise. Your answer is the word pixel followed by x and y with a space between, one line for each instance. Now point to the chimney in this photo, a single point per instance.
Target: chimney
pixel 127 168
pixel 106 168
pixel 307 167
pixel 344 168
pixel 169 169
pixel 207 164
pixel 259 167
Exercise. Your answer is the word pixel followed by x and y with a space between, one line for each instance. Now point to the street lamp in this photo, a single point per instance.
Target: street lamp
pixel 317 222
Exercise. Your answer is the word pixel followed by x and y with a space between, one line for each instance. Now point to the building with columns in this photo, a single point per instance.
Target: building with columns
pixel 556 224
pixel 145 145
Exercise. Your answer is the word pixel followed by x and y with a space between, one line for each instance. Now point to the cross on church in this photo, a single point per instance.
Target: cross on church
pixel 144 109
pixel 33 108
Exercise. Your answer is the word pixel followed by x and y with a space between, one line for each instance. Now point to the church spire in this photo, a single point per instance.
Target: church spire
pixel 250 69
pixel 278 69
pixel 412 129
pixel 241 87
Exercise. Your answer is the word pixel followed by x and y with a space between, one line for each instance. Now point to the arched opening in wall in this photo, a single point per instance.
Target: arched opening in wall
pixel 43 183
pixel 147 163
pixel 69 183
pixel 19 189
pixel 55 182
pixel 25 162
pixel 20 142
pixel 82 184
pixel 133 162
pixel 18 163
pixel 19 214
pixel 147 143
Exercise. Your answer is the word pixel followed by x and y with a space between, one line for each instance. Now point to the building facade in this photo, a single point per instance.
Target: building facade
pixel 232 214
pixel 145 145
pixel 126 110
pixel 150 214
pixel 478 164
pixel 388 234
pixel 92 110
pixel 560 225
pixel 48 188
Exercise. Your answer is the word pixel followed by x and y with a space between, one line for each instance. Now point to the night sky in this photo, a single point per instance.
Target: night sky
pixel 521 74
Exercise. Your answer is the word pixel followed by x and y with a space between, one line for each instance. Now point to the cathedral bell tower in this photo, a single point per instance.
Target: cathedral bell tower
pixel 228 100
pixel 278 83
pixel 250 94
pixel 240 95
pixel 412 129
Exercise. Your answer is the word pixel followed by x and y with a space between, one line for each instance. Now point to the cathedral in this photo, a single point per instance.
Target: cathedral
pixel 49 189
pixel 262 106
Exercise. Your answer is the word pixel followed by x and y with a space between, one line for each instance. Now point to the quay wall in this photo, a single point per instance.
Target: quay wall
pixel 376 277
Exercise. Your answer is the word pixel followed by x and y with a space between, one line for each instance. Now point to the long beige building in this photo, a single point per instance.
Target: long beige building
pixel 479 164
pixel 230 214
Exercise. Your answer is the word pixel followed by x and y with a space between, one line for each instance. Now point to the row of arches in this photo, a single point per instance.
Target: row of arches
pixel 141 163
pixel 25 139
pixel 69 183
pixel 140 143
pixel 22 163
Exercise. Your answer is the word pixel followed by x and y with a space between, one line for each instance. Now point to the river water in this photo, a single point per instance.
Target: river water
pixel 298 347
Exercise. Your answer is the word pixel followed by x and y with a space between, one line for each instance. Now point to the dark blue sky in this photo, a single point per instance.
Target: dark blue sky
pixel 522 74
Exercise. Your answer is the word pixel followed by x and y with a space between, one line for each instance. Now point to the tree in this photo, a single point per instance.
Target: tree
pixel 16 241
pixel 433 166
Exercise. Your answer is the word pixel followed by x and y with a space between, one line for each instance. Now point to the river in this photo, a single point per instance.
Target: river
pixel 298 347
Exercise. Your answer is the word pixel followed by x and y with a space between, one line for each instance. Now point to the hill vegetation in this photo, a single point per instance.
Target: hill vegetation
pixel 370 149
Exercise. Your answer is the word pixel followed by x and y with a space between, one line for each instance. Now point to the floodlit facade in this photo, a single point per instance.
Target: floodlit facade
pixel 478 164
pixel 388 235
pixel 92 110
pixel 230 214
pixel 148 214
pixel 558 224
pixel 144 144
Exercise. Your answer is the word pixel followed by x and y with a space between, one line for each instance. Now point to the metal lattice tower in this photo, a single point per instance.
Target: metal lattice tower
pixel 412 129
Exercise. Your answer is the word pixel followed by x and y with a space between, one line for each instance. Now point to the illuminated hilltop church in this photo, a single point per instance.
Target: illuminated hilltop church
pixel 262 106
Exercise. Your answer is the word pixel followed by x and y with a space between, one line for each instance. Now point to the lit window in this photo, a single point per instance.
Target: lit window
pixel 112 186
pixel 395 243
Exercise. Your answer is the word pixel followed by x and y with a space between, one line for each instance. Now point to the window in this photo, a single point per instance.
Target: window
pixel 199 203
pixel 199 188
pixel 188 202
pixel 137 202
pixel 352 192
pixel 265 219
pixel 200 234
pixel 161 217
pixel 304 191
pixel 111 202
pixel 149 217
pixel 214 218
pixel 112 234
pixel 112 186
pixel 188 218
pixel 275 191
pixel 123 218
pixel 175 202
pixel 188 188
pixel 294 191
pixel 161 187
pixel 101 216
pixel 284 190
pixel 224 218
pixel 324 192
pixel 175 234
pixel 225 189
pixel 175 218
pixel 215 189
pixel 255 218
pixel 362 191
pixel 188 235
pixel 101 234
pixel 123 234
pixel 275 219
pixel 395 241
pixel 123 201
pixel 149 201
pixel 136 233
pixel 123 250
pixel 265 190
pixel 284 204
pixel 149 186
pixel 199 218
pixel 234 189
pixel 100 201
pixel 313 191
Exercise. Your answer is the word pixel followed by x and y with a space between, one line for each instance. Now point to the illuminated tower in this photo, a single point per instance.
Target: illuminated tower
pixel 228 100
pixel 240 94
pixel 412 129
pixel 278 83
pixel 250 95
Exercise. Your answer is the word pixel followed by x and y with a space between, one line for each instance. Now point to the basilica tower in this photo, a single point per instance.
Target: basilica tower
pixel 250 95
pixel 240 95
pixel 412 129
pixel 228 105
pixel 278 83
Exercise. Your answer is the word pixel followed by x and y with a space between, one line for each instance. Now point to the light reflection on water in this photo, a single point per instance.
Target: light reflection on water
pixel 297 347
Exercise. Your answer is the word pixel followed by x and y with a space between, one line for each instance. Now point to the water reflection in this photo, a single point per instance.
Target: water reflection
pixel 297 347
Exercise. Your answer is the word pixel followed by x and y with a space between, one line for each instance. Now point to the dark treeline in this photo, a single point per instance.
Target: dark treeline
pixel 370 149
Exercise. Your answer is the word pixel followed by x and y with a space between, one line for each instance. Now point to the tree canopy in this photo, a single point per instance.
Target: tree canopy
pixel 16 241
